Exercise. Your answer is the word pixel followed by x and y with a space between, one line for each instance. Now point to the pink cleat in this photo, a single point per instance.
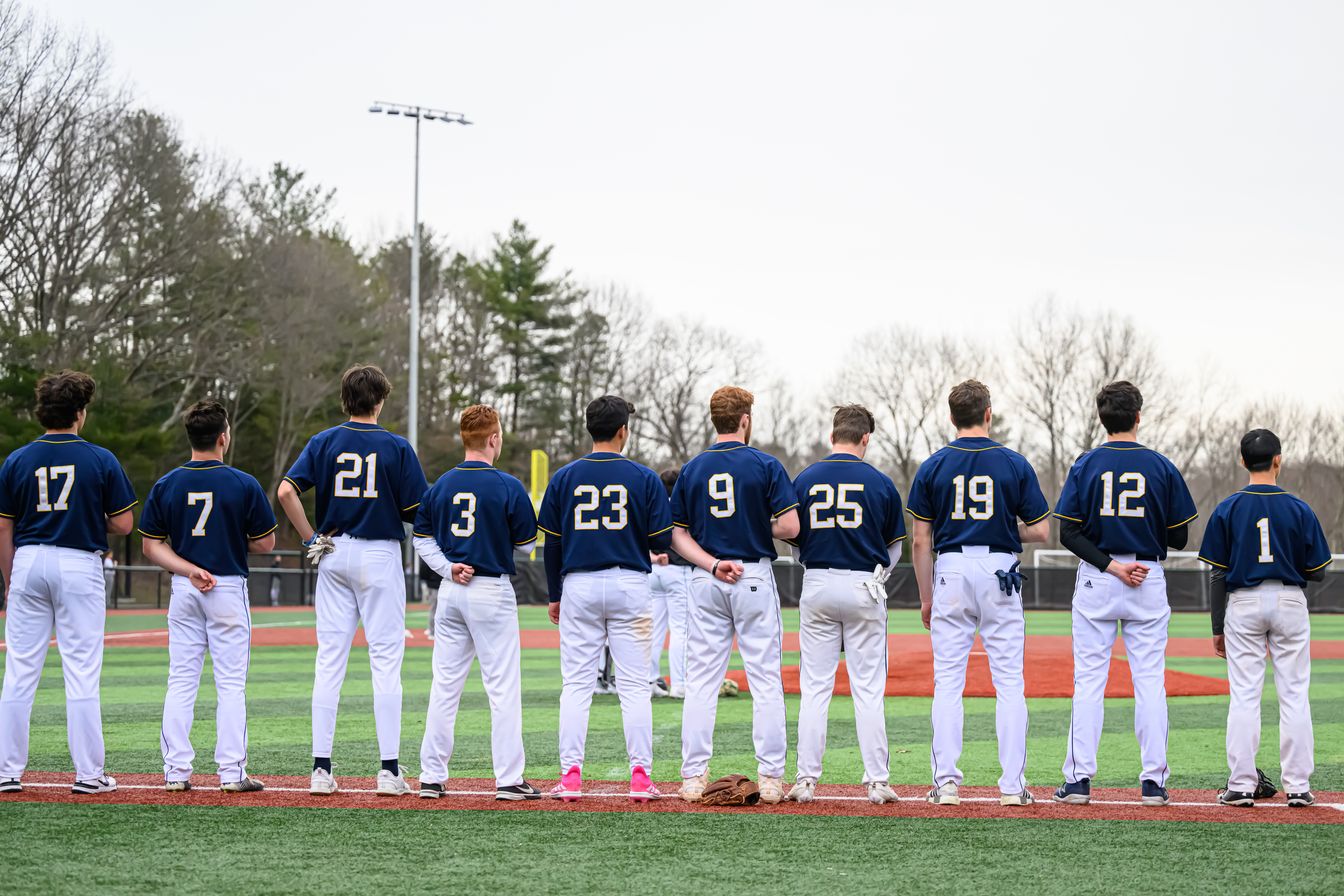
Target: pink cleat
pixel 641 788
pixel 570 787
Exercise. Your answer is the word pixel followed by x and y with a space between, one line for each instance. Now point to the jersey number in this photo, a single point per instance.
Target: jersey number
pixel 366 466
pixel 206 498
pixel 467 526
pixel 980 490
pixel 1266 555
pixel 1108 503
pixel 45 476
pixel 615 518
pixel 837 500
pixel 722 495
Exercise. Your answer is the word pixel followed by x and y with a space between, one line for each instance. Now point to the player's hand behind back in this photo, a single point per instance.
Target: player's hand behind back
pixel 201 580
pixel 1219 646
pixel 462 573
pixel 1132 574
pixel 554 612
pixel 728 571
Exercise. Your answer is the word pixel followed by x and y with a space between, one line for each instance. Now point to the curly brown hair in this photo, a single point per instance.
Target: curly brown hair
pixel 61 396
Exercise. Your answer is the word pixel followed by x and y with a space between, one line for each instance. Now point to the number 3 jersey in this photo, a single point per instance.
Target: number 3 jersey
pixel 974 491
pixel 604 508
pixel 1262 532
pixel 367 479
pixel 208 511
pixel 1126 497
pixel 60 489
pixel 849 515
pixel 477 515
pixel 727 496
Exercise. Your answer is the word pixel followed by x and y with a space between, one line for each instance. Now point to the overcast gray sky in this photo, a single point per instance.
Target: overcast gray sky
pixel 810 170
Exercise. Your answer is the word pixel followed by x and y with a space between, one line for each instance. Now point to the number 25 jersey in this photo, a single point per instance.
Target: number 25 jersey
pixel 366 480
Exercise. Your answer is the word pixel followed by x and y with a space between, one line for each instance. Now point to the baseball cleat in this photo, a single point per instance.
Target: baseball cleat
pixel 693 788
pixel 660 688
pixel 677 692
pixel 1017 799
pixel 1075 793
pixel 772 789
pixel 1302 800
pixel 880 792
pixel 431 791
pixel 516 792
pixel 1154 794
pixel 322 783
pixel 105 784
pixel 1236 798
pixel 245 785
pixel 570 787
pixel 945 795
pixel 392 785
pixel 804 790
pixel 177 786
pixel 11 786
pixel 641 787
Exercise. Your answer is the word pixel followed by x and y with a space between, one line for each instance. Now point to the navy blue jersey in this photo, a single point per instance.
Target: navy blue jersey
pixel 1262 532
pixel 478 515
pixel 366 478
pixel 59 490
pixel 727 496
pixel 1126 497
pixel 974 491
pixel 849 515
pixel 604 508
pixel 208 512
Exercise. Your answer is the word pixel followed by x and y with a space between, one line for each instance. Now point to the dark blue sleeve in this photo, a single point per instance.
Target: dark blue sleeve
pixel 554 580
pixel 303 474
pixel 9 499
pixel 118 494
pixel 680 511
pixel 660 507
pixel 423 527
pixel 1215 550
pixel 260 517
pixel 804 521
pixel 1181 507
pixel 522 518
pixel 1034 507
pixel 920 503
pixel 549 520
pixel 1070 503
pixel 1313 537
pixel 895 528
pixel 411 490
pixel 779 489
pixel 153 520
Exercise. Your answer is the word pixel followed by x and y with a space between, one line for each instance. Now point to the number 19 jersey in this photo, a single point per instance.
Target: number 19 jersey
pixel 604 508
pixel 974 491
pixel 727 496
pixel 366 479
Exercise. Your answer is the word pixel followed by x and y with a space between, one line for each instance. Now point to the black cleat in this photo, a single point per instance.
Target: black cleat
pixel 1236 798
pixel 523 791
pixel 430 791
pixel 1154 794
pixel 1302 800
pixel 1078 793
pixel 11 786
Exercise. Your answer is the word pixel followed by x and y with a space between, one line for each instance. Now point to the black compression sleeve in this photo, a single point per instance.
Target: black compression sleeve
pixel 661 543
pixel 1178 537
pixel 1317 576
pixel 551 556
pixel 1072 537
pixel 1217 598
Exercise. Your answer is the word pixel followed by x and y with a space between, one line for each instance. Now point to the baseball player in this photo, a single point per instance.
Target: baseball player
pixel 473 521
pixel 1121 508
pixel 669 584
pixel 60 497
pixel 850 531
pixel 368 482
pixel 1264 546
pixel 729 504
pixel 200 522
pixel 975 502
pixel 604 515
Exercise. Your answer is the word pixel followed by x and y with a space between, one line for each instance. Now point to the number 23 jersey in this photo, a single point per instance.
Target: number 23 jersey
pixel 604 508
pixel 974 491
pixel 367 479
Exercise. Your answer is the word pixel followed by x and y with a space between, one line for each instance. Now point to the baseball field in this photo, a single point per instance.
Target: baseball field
pixel 142 840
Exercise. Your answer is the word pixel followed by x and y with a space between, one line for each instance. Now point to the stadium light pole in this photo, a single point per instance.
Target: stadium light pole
pixel 413 361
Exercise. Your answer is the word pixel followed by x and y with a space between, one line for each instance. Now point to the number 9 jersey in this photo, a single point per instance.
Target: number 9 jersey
pixel 604 508
pixel 367 481
pixel 727 496
pixel 850 515
pixel 974 491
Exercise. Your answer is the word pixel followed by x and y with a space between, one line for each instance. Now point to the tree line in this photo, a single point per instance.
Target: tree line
pixel 170 275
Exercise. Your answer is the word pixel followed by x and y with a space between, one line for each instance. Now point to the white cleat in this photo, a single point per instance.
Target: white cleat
pixel 945 795
pixel 772 789
pixel 879 793
pixel 803 791
pixel 392 785
pixel 677 693
pixel 322 783
pixel 693 788
pixel 1017 799
pixel 105 784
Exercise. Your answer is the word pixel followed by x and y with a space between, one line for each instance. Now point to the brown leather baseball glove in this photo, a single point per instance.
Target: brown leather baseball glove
pixel 731 790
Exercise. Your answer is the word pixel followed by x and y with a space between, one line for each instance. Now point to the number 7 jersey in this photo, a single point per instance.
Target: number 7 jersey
pixel 604 508
pixel 208 511
pixel 367 481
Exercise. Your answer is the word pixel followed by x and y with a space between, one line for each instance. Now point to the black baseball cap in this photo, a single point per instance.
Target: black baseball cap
pixel 606 415
pixel 1259 447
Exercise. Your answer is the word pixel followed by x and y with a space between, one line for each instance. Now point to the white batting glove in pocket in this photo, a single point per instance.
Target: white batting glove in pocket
pixel 877 585
pixel 318 547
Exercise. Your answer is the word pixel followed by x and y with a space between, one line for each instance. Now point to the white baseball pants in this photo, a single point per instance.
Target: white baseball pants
pixel 670 586
pixel 360 581
pixel 220 622
pixel 612 608
pixel 1272 614
pixel 967 597
pixel 1102 607
pixel 58 588
pixel 478 620
pixel 837 613
pixel 750 610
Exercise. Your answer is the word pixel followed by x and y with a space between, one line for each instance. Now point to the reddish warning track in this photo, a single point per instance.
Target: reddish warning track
pixel 607 796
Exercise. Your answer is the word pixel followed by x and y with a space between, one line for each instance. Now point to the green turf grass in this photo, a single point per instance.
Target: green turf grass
pixel 136 849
